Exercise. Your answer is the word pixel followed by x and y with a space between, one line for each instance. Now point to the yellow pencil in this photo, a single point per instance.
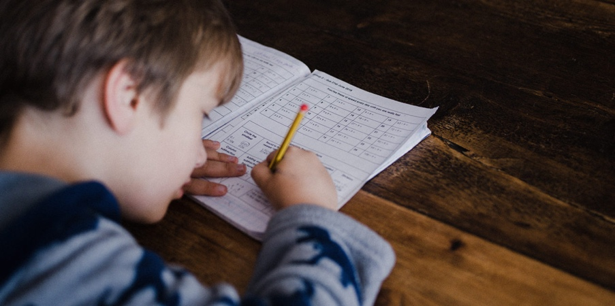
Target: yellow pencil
pixel 289 136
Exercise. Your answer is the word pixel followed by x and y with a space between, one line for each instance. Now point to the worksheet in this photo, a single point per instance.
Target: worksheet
pixel 356 134
pixel 266 71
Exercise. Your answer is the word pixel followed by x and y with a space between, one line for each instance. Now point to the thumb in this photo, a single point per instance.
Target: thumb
pixel 261 173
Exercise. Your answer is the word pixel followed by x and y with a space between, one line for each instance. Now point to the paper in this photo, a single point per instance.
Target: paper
pixel 266 71
pixel 356 134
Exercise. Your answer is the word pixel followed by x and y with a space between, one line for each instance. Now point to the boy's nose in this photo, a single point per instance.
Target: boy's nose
pixel 201 155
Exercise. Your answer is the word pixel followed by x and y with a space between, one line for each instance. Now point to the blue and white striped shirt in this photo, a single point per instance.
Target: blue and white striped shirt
pixel 63 245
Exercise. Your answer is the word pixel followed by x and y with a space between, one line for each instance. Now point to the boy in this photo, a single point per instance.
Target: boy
pixel 101 103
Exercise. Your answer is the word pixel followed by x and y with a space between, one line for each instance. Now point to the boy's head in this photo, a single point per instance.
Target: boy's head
pixel 172 59
pixel 50 49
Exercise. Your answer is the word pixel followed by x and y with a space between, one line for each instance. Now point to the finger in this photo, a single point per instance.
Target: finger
pixel 203 187
pixel 214 168
pixel 261 173
pixel 211 144
pixel 212 154
pixel 291 150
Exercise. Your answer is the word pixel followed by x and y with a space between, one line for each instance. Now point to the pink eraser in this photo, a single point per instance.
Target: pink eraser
pixel 304 107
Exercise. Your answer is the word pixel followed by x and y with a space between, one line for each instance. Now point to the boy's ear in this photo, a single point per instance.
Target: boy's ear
pixel 120 98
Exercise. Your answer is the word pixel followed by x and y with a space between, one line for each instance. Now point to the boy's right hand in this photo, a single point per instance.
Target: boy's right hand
pixel 300 178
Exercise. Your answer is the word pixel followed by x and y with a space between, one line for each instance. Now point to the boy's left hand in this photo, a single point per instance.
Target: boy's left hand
pixel 217 165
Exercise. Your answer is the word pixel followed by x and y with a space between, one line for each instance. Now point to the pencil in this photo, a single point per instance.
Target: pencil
pixel 289 136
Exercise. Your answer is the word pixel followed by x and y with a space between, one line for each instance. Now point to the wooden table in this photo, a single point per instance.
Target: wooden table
pixel 511 201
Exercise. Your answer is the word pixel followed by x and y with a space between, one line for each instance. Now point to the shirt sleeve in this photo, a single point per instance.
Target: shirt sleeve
pixel 304 261
pixel 106 266
pixel 314 256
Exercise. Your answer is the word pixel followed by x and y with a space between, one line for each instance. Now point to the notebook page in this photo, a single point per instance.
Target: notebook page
pixel 265 72
pixel 354 133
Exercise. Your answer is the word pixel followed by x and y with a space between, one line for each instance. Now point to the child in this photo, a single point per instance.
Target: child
pixel 101 103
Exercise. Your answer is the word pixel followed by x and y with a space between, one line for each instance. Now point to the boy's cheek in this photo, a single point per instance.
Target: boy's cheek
pixel 155 214
pixel 146 210
pixel 201 157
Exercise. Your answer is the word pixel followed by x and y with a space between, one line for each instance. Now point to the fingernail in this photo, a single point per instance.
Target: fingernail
pixel 220 189
pixel 241 167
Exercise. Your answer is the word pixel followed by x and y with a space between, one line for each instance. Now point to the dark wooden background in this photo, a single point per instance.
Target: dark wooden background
pixel 511 200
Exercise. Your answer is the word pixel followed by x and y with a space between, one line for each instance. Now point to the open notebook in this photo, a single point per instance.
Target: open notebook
pixel 355 133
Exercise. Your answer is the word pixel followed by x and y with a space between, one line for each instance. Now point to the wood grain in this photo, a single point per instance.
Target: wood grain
pixel 440 265
pixel 501 208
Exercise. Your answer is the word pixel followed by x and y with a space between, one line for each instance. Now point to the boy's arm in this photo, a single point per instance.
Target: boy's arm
pixel 70 250
pixel 314 254
pixel 310 252
pixel 303 262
